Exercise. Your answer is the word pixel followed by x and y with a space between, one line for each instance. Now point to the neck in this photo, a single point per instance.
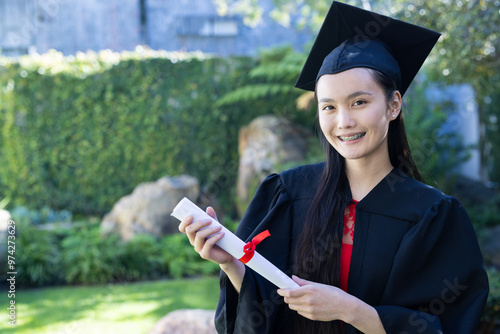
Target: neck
pixel 364 175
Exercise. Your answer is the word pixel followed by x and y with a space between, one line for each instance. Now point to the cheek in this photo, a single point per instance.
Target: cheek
pixel 325 124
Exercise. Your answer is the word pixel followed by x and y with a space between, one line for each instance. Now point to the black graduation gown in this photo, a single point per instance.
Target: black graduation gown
pixel 415 257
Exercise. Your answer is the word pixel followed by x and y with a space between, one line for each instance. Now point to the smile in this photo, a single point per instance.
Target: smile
pixel 360 135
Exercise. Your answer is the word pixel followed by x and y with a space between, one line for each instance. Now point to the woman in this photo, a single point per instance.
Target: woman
pixel 373 249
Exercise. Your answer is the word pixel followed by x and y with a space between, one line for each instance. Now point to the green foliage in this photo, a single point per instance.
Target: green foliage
pixel 37 257
pixel 141 259
pixel 182 260
pixel 4 202
pixel 467 52
pixel 89 258
pixel 272 79
pixel 486 214
pixel 81 255
pixel 491 313
pixel 79 133
pixel 491 144
pixel 230 223
pixel 436 152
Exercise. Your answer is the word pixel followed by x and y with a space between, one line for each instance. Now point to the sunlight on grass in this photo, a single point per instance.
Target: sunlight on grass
pixel 120 308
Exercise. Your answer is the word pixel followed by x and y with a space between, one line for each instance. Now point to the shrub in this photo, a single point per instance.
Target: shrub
pixel 436 152
pixel 37 257
pixel 181 259
pixel 78 133
pixel 141 259
pixel 486 214
pixel 491 315
pixel 89 258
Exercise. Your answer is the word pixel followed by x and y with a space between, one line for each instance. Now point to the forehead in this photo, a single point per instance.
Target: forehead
pixel 345 83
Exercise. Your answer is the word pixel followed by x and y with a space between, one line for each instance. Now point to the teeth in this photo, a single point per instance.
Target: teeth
pixel 352 137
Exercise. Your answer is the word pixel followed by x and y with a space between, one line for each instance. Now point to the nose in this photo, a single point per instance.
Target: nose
pixel 344 119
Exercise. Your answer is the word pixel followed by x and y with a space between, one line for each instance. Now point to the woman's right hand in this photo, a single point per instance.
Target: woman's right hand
pixel 204 240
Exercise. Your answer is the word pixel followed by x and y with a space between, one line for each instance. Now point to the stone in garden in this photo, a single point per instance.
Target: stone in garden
pixel 187 321
pixel 268 141
pixel 147 210
pixel 490 245
pixel 472 192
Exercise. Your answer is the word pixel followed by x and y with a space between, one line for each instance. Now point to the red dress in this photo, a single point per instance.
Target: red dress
pixel 346 250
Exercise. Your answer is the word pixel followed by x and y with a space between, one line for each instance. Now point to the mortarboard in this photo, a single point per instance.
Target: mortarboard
pixel 353 37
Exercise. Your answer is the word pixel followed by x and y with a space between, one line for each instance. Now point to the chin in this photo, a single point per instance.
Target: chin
pixel 351 156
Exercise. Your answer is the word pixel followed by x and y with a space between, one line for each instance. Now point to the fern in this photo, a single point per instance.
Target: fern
pixel 274 77
pixel 254 92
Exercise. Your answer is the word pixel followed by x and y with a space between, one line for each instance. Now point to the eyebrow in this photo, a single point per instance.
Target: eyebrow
pixel 349 97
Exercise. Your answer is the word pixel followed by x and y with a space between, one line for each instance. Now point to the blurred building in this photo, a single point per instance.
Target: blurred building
pixel 28 26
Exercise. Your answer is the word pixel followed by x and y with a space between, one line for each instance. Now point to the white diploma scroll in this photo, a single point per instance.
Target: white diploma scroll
pixel 234 246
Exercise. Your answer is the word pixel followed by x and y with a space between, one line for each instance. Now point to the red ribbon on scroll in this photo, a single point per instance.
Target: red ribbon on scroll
pixel 249 248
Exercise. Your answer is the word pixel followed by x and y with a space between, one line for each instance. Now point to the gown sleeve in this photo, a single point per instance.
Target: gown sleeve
pixel 258 308
pixel 438 280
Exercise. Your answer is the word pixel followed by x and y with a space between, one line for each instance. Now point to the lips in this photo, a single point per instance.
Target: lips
pixel 351 138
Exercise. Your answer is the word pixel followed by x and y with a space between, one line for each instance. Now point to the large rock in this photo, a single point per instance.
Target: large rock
pixel 472 192
pixel 148 208
pixel 186 322
pixel 490 246
pixel 266 142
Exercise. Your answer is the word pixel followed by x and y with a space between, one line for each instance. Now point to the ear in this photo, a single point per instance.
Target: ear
pixel 395 106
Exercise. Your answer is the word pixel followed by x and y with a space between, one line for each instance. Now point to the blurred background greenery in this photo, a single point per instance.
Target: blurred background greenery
pixel 78 133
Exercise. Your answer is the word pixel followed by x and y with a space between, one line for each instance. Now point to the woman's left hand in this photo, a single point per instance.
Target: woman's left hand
pixel 317 301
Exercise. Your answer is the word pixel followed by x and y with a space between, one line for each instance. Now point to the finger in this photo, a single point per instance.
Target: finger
pixel 192 228
pixel 294 307
pixel 211 213
pixel 301 281
pixel 202 235
pixel 283 292
pixel 296 293
pixel 209 244
pixel 184 223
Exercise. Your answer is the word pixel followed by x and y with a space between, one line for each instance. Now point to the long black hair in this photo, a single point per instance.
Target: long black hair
pixel 317 257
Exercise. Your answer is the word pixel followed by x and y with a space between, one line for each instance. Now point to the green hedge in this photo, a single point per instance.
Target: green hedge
pixel 81 255
pixel 77 133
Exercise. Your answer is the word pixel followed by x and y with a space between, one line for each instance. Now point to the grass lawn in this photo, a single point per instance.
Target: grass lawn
pixel 114 308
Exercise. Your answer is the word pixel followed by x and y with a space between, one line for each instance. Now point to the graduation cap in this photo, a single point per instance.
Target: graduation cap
pixel 353 37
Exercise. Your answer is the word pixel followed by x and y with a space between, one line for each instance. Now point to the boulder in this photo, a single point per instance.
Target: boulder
pixel 186 322
pixel 490 245
pixel 148 208
pixel 472 192
pixel 268 141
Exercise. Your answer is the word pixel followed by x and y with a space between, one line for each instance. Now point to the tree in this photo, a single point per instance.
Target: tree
pixel 467 52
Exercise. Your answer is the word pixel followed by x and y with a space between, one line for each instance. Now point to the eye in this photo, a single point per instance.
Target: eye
pixel 328 108
pixel 359 102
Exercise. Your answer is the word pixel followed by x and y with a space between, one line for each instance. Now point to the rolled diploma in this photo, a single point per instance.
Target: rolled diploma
pixel 234 246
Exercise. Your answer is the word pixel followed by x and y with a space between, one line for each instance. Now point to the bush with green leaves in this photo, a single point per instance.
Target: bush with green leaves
pixel 486 214
pixel 81 255
pixel 141 259
pixel 490 321
pixel 78 133
pixel 37 257
pixel 436 152
pixel 181 259
pixel 89 258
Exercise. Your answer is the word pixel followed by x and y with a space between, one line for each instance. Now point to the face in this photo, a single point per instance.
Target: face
pixel 354 114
